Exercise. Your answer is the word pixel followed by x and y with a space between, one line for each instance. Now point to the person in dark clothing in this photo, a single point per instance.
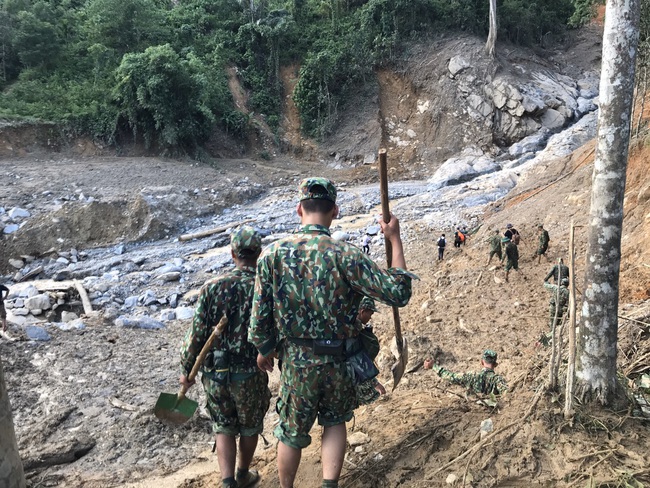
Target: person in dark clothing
pixel 441 247
pixel 512 234
pixel 3 312
pixel 558 272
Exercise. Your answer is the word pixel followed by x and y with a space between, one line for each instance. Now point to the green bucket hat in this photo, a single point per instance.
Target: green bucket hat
pixel 489 356
pixel 306 193
pixel 368 303
pixel 245 238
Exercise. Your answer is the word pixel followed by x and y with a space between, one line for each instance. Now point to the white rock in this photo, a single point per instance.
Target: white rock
pixel 358 438
pixel 339 235
pixel 358 449
pixel 63 261
pixel 18 213
pixel 17 263
pixel 20 311
pixel 411 133
pixel 184 313
pixel 487 426
pixel 166 277
pixel 12 318
pixel 451 479
pixel 167 315
pixel 68 316
pixel 75 324
pixel 38 302
pixel 10 229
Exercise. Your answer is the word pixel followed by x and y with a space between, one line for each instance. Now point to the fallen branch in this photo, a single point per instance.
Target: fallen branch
pixel 88 308
pixel 215 230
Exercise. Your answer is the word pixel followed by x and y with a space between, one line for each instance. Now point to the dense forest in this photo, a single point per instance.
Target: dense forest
pixel 156 68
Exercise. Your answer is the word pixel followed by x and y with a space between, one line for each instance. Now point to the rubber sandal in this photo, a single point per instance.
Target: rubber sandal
pixel 249 479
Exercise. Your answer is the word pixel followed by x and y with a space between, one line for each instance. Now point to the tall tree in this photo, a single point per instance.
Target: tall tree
pixel 490 45
pixel 11 467
pixel 597 341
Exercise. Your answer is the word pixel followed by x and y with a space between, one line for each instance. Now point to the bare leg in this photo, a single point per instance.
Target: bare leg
pixel 288 462
pixel 226 454
pixel 247 446
pixel 333 451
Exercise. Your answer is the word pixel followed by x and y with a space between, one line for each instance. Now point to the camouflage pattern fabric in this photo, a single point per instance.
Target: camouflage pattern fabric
pixel 552 305
pixel 309 286
pixel 486 382
pixel 495 246
pixel 542 244
pixel 229 294
pixel 512 256
pixel 558 272
pixel 366 392
pixel 239 407
pixel 245 239
pixel 305 191
pixel 324 391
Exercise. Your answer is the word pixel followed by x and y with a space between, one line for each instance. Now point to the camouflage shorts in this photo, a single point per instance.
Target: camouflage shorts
pixel 323 390
pixel 239 406
pixel 541 250
pixel 496 252
pixel 512 265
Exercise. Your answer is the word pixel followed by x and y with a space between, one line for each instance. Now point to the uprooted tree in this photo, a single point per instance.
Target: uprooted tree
pixel 11 467
pixel 598 335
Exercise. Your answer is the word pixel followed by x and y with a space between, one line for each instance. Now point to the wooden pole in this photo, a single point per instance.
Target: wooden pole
pixel 555 353
pixel 571 367
pixel 215 230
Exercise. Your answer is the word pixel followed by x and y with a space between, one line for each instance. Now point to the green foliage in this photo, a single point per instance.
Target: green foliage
pixel 158 67
pixel 584 11
pixel 166 98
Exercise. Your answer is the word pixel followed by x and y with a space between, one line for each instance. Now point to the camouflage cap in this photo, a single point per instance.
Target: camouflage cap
pixel 368 303
pixel 306 193
pixel 489 356
pixel 245 238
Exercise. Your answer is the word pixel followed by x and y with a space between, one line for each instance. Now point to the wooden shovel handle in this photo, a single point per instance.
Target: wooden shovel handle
pixel 204 351
pixel 385 214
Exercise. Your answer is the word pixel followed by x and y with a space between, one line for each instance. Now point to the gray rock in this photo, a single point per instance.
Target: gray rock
pixel 20 312
pixel 18 213
pixel 457 64
pixel 585 105
pixel 36 311
pixel 62 275
pixel 140 322
pixel 111 313
pixel 167 315
pixel 184 313
pixel 25 291
pixel 38 302
pixel 533 142
pixel 15 319
pixel 339 235
pixel 173 300
pixel 131 302
pixel 167 277
pixel 148 298
pixel 168 268
pixel 18 303
pixel 36 333
pixel 63 260
pixel 119 249
pixel 16 263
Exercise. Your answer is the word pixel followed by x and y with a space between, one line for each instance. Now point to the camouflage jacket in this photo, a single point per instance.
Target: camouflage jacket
pixel 495 243
pixel 543 238
pixel 309 286
pixel 229 294
pixel 512 253
pixel 564 294
pixel 558 272
pixel 485 382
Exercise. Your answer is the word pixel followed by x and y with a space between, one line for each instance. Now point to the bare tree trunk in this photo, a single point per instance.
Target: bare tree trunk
pixel 490 45
pixel 11 467
pixel 597 342
pixel 571 366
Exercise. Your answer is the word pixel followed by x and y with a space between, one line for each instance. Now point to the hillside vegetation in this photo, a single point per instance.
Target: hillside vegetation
pixel 156 69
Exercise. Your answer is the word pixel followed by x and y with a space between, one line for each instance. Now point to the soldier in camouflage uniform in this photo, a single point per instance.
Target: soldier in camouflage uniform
pixel 368 391
pixel 486 381
pixel 542 244
pixel 237 391
pixel 307 295
pixel 511 256
pixel 495 246
pixel 557 306
pixel 558 272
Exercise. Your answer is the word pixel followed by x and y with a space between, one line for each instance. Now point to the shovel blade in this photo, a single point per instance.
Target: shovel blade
pixel 399 367
pixel 172 411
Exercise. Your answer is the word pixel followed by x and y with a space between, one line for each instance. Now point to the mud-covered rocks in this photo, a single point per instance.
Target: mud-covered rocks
pixel 138 322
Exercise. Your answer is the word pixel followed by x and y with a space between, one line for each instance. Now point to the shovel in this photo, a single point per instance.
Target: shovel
pixel 401 350
pixel 177 409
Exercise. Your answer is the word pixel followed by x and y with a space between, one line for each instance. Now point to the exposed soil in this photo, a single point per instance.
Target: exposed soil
pixel 98 429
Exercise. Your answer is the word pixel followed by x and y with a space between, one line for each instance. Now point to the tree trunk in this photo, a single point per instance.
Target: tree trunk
pixel 597 341
pixel 490 45
pixel 11 467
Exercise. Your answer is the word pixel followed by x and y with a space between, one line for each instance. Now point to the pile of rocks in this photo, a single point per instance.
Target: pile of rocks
pixel 11 220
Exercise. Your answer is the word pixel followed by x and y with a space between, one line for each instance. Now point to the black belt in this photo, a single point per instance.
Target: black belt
pixel 351 344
